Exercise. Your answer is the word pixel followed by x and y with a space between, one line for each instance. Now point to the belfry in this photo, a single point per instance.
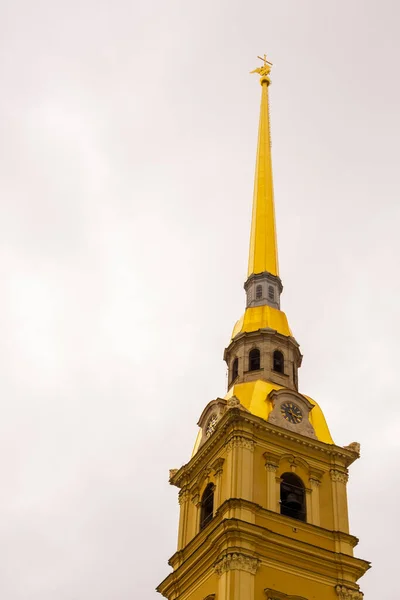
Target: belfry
pixel 263 501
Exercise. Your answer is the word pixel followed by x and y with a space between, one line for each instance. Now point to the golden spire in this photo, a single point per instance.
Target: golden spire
pixel 263 255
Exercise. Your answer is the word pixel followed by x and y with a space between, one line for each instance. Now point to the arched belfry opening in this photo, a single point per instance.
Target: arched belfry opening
pixel 235 369
pixel 207 505
pixel 293 497
pixel 278 362
pixel 254 359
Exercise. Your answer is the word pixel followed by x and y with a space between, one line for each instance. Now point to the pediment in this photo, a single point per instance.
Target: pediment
pixel 291 410
pixel 212 414
pixel 217 406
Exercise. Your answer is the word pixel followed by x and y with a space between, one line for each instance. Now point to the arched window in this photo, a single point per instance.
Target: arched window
pixel 254 359
pixel 271 292
pixel 293 497
pixel 235 369
pixel 278 362
pixel 207 505
pixel 258 292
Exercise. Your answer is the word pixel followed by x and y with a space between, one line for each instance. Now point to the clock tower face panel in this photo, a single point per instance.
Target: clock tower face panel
pixel 291 412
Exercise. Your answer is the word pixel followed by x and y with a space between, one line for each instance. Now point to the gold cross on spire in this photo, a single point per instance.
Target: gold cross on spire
pixel 265 60
pixel 265 70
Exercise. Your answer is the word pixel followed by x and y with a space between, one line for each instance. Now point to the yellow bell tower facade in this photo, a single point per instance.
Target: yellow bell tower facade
pixel 263 501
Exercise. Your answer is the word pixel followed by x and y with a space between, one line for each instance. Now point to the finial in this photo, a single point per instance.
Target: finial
pixel 264 70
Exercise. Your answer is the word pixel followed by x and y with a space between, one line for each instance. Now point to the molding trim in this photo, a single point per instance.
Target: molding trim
pixel 236 416
pixel 346 593
pixel 274 595
pixel 236 561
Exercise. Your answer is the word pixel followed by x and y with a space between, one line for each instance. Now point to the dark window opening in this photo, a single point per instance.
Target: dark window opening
pixel 207 505
pixel 258 292
pixel 293 497
pixel 254 359
pixel 271 293
pixel 235 369
pixel 279 362
pixel 294 376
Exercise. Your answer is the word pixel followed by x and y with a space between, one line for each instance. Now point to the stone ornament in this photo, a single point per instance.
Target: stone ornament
pixel 233 402
pixel 346 593
pixel 354 447
pixel 236 561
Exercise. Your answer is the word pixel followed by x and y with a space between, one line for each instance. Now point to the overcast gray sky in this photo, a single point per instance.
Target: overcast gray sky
pixel 127 148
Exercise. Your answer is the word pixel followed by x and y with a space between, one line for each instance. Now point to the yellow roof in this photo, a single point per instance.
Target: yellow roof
pixel 262 317
pixel 253 395
pixel 263 254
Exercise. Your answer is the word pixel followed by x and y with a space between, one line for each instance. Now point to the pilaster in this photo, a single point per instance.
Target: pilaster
pixel 217 466
pixel 236 573
pixel 183 517
pixel 339 479
pixel 273 483
pixel 315 483
pixel 240 457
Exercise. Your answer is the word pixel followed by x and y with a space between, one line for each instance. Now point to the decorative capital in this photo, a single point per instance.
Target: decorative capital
pixel 315 478
pixel 315 483
pixel 183 496
pixel 217 466
pixel 271 467
pixel 340 476
pixel 271 462
pixel 236 561
pixel 196 495
pixel 346 593
pixel 239 441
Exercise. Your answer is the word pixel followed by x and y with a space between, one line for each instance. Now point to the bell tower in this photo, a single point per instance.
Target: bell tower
pixel 263 501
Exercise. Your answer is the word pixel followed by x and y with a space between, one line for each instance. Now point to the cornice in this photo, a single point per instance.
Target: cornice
pixel 264 331
pixel 261 277
pixel 276 517
pixel 235 416
pixel 275 547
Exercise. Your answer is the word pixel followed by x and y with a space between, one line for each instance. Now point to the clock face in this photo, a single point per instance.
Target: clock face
pixel 211 425
pixel 291 412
